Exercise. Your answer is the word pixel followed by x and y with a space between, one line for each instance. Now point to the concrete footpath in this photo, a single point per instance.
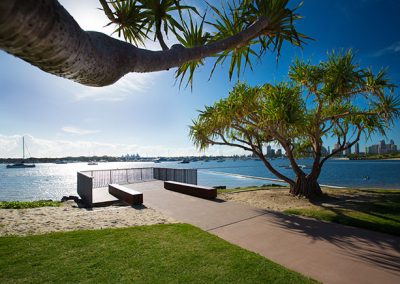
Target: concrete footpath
pixel 330 253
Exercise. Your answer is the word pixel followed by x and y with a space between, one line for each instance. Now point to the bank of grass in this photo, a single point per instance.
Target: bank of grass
pixel 373 209
pixel 177 253
pixel 28 204
pixel 251 188
pixel 377 210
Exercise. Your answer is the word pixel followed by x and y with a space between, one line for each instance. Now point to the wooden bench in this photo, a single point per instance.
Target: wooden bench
pixel 191 189
pixel 127 195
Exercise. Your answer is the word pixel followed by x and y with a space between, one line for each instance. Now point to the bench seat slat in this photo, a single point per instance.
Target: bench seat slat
pixel 191 189
pixel 127 195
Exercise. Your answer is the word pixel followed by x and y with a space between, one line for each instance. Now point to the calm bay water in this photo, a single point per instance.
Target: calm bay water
pixel 52 181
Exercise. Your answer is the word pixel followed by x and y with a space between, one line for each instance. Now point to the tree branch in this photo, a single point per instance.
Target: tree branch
pixel 293 164
pixel 274 171
pixel 343 147
pixel 346 114
pixel 326 130
pixel 107 10
pixel 44 34
pixel 255 151
pixel 160 36
pixel 227 143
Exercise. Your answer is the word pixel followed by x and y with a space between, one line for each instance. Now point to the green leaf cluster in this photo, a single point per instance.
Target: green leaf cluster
pixel 334 98
pixel 136 20
pixel 141 20
pixel 346 98
pixel 236 17
pixel 192 35
pixel 251 115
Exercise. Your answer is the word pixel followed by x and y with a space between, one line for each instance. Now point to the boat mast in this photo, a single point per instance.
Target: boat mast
pixel 23 148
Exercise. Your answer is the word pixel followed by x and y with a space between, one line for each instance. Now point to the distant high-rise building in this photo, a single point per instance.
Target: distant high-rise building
pixel 336 147
pixel 357 149
pixel 269 151
pixel 373 149
pixel 381 148
pixel 347 152
pixel 279 152
pixel 392 146
pixel 329 150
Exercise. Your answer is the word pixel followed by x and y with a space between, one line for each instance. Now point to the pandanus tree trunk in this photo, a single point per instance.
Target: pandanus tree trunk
pixel 307 186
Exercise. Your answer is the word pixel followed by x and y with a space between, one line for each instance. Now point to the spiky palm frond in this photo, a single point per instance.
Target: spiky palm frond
pixel 130 20
pixel 388 107
pixel 192 35
pixel 137 20
pixel 159 15
pixel 281 21
pixel 230 23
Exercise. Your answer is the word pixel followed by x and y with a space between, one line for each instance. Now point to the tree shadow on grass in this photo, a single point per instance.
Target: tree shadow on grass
pixel 362 245
pixel 367 207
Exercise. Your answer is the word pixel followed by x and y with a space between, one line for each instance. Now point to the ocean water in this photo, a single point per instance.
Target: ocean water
pixel 52 181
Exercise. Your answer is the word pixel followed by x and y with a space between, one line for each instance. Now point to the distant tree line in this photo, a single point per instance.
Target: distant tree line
pixel 66 159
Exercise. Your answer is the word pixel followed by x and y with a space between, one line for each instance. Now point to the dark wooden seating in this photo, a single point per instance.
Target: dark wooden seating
pixel 127 195
pixel 191 189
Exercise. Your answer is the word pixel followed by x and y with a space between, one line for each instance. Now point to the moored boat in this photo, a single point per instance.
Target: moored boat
pixel 185 161
pixel 21 165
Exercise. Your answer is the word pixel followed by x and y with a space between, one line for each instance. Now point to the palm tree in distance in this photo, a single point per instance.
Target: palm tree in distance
pixel 335 98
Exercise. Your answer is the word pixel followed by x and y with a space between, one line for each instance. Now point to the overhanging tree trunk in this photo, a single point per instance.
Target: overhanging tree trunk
pixel 44 34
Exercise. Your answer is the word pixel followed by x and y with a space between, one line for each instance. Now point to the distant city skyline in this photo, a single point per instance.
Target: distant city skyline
pixel 148 114
pixel 381 148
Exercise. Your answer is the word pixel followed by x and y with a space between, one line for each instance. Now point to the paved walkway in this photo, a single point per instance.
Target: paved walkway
pixel 330 253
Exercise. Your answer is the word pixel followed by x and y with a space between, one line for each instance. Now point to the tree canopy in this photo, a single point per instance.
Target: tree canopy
pixel 334 98
pixel 44 34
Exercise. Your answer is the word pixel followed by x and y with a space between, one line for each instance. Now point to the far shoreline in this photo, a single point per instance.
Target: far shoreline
pixel 370 159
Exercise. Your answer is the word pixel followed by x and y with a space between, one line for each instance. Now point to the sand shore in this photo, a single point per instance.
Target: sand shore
pixel 269 199
pixel 69 217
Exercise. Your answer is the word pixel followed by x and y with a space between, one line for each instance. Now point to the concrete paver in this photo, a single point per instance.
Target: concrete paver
pixel 330 253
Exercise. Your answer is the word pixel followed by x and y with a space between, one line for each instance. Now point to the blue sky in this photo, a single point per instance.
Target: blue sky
pixel 147 113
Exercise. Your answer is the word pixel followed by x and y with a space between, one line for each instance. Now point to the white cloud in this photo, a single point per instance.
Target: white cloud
pixel 11 147
pixel 129 85
pixel 393 48
pixel 78 131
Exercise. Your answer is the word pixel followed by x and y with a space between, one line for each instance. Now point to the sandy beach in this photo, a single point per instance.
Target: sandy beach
pixel 270 199
pixel 69 217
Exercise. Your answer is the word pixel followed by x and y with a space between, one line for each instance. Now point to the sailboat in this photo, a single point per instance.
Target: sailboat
pixel 22 165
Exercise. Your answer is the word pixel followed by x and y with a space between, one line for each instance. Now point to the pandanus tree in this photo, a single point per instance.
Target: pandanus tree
pixel 44 34
pixel 335 98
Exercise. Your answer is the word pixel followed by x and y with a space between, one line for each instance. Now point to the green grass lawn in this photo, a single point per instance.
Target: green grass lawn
pixel 377 210
pixel 177 253
pixel 28 204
